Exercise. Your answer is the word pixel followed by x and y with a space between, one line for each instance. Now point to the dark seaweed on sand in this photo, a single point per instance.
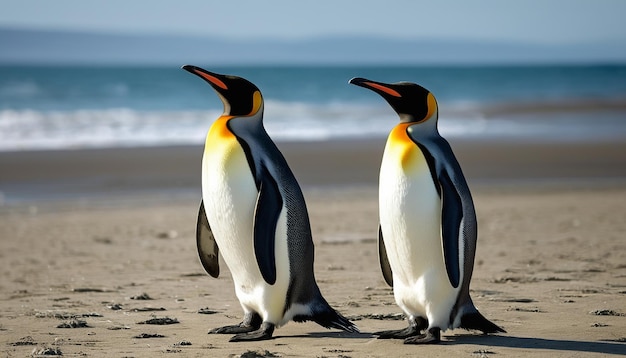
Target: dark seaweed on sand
pixel 149 335
pixel 160 321
pixel 74 324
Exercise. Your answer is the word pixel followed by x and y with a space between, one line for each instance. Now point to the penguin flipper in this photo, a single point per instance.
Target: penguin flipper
pixel 452 215
pixel 268 207
pixel 207 246
pixel 384 260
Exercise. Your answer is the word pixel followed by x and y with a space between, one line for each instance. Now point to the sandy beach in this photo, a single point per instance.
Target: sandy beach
pixel 98 255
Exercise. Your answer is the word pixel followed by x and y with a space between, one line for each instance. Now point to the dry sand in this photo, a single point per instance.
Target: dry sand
pixel 103 240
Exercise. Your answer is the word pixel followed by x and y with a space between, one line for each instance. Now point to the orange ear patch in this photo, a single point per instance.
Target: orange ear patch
pixel 214 80
pixel 432 105
pixel 257 100
pixel 387 90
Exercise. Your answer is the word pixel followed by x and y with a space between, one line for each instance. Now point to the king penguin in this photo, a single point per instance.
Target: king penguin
pixel 254 214
pixel 427 234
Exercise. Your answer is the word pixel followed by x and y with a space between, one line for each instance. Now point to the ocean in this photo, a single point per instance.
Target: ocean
pixel 74 107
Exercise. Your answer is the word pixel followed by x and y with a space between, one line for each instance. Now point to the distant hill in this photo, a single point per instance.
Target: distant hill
pixel 66 47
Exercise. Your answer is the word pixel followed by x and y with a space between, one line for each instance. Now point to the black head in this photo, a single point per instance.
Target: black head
pixel 240 96
pixel 412 102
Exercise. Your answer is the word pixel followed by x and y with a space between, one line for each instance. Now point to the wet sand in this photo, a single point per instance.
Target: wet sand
pixel 103 241
pixel 89 173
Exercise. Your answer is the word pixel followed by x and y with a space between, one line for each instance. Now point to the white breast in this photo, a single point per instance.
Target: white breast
pixel 410 218
pixel 229 193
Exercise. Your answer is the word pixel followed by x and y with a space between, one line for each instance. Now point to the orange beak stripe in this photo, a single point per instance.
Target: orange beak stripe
pixel 214 80
pixel 387 90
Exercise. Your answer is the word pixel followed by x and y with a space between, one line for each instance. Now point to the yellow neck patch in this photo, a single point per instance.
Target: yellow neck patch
pixel 218 132
pixel 400 145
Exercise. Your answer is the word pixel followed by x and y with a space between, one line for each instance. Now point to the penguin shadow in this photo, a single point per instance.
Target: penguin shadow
pixel 331 334
pixel 604 347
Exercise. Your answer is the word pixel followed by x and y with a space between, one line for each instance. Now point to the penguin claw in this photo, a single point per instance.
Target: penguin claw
pixel 232 329
pixel 398 334
pixel 251 322
pixel 416 325
pixel 432 336
pixel 261 334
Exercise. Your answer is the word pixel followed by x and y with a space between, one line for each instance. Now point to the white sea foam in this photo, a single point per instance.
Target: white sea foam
pixel 78 107
pixel 30 129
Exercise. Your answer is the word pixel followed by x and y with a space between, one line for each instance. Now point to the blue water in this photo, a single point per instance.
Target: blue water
pixel 76 107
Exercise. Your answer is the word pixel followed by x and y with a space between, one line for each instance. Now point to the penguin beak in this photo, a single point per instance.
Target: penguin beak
pixel 379 87
pixel 214 79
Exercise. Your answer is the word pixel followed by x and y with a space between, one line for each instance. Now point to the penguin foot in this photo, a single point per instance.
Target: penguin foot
pixel 431 336
pixel 410 331
pixel 239 328
pixel 416 325
pixel 251 322
pixel 261 334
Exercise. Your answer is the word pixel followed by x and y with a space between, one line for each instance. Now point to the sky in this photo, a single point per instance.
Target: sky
pixel 528 21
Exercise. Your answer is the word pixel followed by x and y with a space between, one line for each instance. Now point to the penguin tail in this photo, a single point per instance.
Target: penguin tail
pixel 477 321
pixel 327 317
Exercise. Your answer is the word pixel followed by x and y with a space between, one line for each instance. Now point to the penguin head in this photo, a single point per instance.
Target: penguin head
pixel 239 96
pixel 412 102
